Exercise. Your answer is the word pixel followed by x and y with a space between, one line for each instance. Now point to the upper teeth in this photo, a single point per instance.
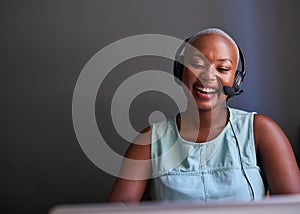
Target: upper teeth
pixel 208 90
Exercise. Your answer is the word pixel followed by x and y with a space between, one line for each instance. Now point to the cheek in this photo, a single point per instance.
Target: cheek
pixel 188 76
pixel 227 80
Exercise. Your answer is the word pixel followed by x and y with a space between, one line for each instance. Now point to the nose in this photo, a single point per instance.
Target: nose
pixel 208 75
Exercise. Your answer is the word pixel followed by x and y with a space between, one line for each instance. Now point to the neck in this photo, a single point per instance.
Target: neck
pixel 205 119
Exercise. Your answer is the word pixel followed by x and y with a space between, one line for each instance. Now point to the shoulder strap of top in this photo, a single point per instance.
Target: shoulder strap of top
pixel 242 125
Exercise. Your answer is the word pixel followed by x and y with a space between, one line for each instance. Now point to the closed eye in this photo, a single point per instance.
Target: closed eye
pixel 198 65
pixel 223 69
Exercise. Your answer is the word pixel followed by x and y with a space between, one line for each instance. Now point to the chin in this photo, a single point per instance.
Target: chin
pixel 210 105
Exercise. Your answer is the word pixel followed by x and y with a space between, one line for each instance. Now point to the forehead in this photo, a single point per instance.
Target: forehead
pixel 214 44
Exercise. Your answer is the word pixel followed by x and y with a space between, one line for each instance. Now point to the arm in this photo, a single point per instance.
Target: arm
pixel 132 182
pixel 276 157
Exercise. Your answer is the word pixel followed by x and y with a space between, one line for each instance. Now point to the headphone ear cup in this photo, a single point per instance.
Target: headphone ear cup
pixel 238 79
pixel 178 69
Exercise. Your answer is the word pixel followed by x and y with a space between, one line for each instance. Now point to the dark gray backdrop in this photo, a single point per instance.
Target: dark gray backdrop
pixel 45 45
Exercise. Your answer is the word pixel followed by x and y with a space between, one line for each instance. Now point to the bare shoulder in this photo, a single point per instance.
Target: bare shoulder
pixel 140 148
pixel 269 136
pixel 264 123
pixel 137 161
pixel 131 184
pixel 266 130
pixel 276 156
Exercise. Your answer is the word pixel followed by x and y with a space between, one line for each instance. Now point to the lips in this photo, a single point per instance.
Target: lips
pixel 206 90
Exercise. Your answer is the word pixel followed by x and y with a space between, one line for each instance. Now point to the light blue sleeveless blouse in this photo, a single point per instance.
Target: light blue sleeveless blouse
pixel 209 171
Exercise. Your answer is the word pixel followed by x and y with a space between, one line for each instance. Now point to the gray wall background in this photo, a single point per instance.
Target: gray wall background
pixel 45 45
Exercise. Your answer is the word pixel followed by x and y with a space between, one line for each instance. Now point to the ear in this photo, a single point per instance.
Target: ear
pixel 238 79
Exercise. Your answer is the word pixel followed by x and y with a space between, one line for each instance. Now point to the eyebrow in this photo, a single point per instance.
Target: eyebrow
pixel 198 54
pixel 203 57
pixel 225 59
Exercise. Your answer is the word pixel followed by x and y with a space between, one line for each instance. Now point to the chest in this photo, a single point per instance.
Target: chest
pixel 201 135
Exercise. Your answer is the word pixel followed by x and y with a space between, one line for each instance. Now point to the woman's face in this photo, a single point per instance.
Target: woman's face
pixel 209 67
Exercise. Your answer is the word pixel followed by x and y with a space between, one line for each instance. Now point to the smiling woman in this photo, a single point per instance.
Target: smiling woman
pixel 215 153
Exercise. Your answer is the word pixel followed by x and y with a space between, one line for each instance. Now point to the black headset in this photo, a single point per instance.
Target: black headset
pixel 235 89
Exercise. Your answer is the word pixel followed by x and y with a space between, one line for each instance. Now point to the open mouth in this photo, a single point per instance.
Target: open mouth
pixel 206 90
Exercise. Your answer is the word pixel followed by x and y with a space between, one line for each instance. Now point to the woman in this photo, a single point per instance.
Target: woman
pixel 216 152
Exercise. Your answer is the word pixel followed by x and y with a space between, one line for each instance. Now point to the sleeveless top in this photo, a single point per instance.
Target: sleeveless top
pixel 209 171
